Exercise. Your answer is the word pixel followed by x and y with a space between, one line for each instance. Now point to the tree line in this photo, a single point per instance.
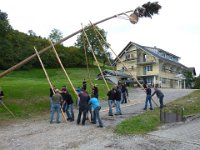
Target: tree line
pixel 15 46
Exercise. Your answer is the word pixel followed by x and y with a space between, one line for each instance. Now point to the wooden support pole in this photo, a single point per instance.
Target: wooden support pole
pixel 7 108
pixel 48 80
pixel 103 49
pixel 86 59
pixel 124 65
pixel 95 58
pixel 63 68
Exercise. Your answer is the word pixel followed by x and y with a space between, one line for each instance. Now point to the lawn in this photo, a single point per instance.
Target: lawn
pixel 149 121
pixel 27 92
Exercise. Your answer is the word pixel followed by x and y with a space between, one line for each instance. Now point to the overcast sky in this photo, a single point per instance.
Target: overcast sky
pixel 176 29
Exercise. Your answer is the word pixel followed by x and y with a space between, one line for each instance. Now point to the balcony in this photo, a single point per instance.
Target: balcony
pixel 139 62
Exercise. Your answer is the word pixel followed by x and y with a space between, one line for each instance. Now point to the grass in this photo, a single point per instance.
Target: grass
pixel 150 120
pixel 27 92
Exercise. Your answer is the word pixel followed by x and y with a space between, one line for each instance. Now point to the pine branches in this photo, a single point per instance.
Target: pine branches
pixel 147 10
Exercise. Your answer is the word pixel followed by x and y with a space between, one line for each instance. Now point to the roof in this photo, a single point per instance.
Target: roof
pixel 150 50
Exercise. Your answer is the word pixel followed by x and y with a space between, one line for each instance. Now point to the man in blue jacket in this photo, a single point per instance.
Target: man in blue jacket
pixel 96 106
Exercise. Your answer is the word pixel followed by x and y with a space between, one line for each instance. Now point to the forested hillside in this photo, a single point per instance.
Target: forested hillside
pixel 15 46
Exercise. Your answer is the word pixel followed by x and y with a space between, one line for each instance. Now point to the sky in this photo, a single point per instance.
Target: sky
pixel 176 29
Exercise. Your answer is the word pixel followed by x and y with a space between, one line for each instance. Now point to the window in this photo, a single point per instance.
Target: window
pixel 129 56
pixel 149 68
pixel 144 57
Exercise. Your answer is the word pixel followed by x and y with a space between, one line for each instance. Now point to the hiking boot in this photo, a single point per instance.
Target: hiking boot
pixel 100 126
pixel 151 108
pixel 144 109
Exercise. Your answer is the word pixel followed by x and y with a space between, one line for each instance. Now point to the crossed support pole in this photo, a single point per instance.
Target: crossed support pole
pixel 48 80
pixel 7 109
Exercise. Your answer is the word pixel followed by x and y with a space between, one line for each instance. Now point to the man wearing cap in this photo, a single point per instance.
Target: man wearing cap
pixel 56 100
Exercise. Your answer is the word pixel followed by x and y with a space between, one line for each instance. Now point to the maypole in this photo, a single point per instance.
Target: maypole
pixel 147 10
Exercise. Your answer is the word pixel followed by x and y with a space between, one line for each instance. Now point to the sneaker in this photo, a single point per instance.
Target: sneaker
pixel 100 126
pixel 151 108
pixel 58 122
pixel 144 109
pixel 117 114
pixel 110 115
pixel 93 122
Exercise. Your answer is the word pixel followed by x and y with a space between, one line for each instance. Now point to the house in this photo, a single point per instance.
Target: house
pixel 152 65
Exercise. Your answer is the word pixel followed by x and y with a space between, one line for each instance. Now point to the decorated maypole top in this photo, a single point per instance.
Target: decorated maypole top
pixel 146 10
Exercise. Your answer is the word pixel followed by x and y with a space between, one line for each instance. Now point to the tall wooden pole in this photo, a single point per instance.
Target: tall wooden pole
pixel 28 59
pixel 96 60
pixel 48 79
pixel 63 68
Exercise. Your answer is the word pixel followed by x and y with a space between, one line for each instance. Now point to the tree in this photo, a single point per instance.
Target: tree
pixel 189 79
pixel 4 23
pixel 197 82
pixel 55 35
pixel 98 45
pixel 31 33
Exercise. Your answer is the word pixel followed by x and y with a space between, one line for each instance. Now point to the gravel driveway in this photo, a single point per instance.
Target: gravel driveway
pixel 38 134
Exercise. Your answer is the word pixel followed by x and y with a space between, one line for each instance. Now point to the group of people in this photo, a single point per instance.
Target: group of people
pixel 62 99
pixel 117 95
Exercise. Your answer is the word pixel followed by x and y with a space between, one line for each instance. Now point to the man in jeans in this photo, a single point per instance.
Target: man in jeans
pixel 118 100
pixel 124 91
pixel 111 98
pixel 159 94
pixel 56 100
pixel 96 106
pixel 83 106
pixel 148 98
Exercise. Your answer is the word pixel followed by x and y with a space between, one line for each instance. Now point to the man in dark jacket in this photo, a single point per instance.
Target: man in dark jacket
pixel 118 100
pixel 111 97
pixel 68 105
pixel 124 91
pixel 83 106
pixel 159 94
pixel 148 97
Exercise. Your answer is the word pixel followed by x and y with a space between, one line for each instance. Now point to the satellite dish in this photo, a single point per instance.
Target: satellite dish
pixel 133 18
